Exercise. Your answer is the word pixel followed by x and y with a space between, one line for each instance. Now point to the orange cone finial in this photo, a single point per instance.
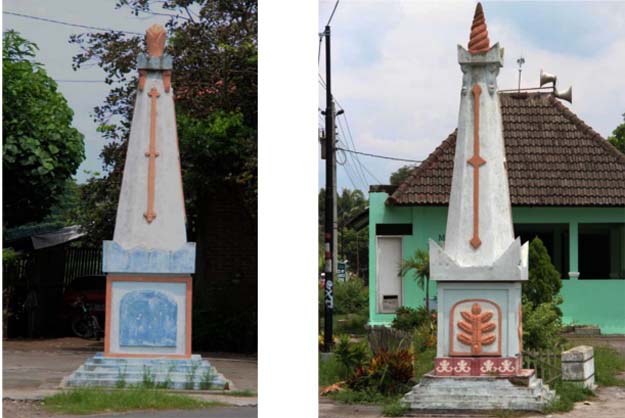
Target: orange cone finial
pixel 155 40
pixel 479 42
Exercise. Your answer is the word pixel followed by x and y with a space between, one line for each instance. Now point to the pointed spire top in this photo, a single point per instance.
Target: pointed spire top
pixel 479 42
pixel 155 39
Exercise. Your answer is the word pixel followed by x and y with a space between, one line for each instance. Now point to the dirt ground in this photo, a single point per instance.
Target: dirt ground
pixel 33 369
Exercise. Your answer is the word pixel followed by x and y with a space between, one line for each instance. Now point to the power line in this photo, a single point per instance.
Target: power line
pixel 80 81
pixel 371 174
pixel 333 10
pixel 354 157
pixel 76 25
pixel 385 157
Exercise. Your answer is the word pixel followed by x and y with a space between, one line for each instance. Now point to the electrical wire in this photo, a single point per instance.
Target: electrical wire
pixel 385 157
pixel 333 10
pixel 76 25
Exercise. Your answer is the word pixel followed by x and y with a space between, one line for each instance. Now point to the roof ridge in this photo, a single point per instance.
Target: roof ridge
pixel 438 151
pixel 595 136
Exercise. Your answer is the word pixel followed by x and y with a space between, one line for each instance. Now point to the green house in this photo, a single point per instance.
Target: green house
pixel 567 186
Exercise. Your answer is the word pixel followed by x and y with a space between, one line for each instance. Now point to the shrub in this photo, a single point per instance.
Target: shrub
pixel 424 338
pixel 351 355
pixel 388 373
pixel 350 296
pixel 542 318
pixel 408 319
pixel 544 281
pixel 541 325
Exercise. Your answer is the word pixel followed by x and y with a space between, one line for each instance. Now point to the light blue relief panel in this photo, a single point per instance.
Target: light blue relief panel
pixel 147 318
pixel 116 259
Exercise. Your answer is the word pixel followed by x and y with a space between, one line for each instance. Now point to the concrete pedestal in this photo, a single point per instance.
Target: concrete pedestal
pixel 193 373
pixel 434 393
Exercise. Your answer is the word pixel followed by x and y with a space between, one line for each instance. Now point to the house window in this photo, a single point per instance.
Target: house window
pixel 601 251
pixel 555 238
pixel 393 229
pixel 388 280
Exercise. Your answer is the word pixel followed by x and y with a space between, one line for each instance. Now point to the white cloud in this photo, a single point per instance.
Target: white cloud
pixel 404 101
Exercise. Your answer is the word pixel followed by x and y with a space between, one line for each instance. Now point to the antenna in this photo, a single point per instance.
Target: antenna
pixel 520 61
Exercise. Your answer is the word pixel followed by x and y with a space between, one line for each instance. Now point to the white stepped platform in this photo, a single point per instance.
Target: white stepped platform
pixel 478 393
pixel 190 374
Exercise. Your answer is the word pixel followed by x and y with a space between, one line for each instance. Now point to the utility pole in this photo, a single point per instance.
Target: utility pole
pixel 330 211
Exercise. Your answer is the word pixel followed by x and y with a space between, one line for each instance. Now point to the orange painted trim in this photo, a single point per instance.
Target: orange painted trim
pixel 152 154
pixel 167 81
pixel 107 314
pixel 142 77
pixel 476 161
pixel 452 331
pixel 159 279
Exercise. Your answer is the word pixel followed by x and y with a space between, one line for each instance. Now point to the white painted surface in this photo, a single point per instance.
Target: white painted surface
pixel 495 216
pixel 175 290
pixel 388 280
pixel 167 230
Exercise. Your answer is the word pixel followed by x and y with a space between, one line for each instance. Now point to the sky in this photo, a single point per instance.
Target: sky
pixel 55 52
pixel 396 75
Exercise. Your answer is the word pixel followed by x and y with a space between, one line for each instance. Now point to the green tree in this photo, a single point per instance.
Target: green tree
pixel 400 175
pixel 352 243
pixel 542 318
pixel 544 281
pixel 419 263
pixel 618 136
pixel 214 50
pixel 41 149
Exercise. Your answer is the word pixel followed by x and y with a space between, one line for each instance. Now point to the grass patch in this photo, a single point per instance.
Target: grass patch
pixel 247 393
pixel 608 363
pixel 349 396
pixel 84 401
pixel 568 394
pixel 394 409
pixel 424 363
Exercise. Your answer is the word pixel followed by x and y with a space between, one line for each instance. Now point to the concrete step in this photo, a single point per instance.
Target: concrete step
pixel 90 382
pixel 477 394
pixel 179 373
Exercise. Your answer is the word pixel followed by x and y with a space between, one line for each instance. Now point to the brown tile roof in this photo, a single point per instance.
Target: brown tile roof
pixel 554 159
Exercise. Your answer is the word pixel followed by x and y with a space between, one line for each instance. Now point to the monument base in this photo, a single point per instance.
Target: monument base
pixel 522 393
pixel 193 373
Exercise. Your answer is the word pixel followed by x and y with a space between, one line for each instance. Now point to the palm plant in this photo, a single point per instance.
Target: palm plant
pixel 420 263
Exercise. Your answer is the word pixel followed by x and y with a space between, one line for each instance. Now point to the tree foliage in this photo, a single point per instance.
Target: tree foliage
pixel 419 264
pixel 544 281
pixel 214 49
pixel 618 136
pixel 542 318
pixel 352 242
pixel 397 177
pixel 41 149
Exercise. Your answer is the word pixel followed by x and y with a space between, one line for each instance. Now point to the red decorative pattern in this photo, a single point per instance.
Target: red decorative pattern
pixel 472 366
pixel 479 41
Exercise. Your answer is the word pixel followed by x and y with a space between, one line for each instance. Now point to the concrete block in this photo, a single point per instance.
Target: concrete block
pixel 578 366
pixel 577 354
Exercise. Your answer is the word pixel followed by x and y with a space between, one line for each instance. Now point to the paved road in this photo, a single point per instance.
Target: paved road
pixel 33 369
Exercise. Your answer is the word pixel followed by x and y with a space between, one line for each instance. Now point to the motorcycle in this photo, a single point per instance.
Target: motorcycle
pixel 85 324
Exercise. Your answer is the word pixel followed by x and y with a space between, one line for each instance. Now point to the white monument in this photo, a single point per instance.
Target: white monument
pixel 480 269
pixel 149 262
